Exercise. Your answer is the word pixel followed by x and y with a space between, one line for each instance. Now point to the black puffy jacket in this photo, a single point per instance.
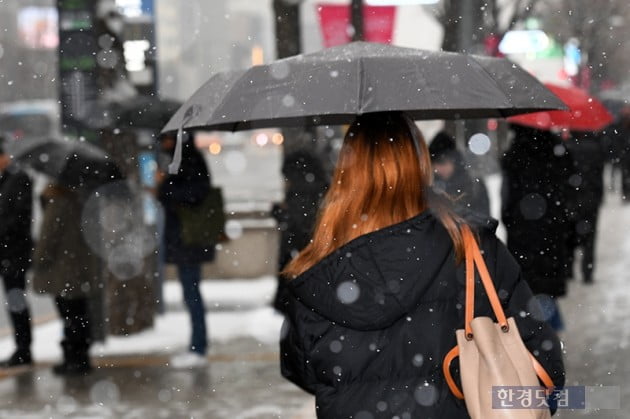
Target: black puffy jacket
pixel 369 325
pixel 536 200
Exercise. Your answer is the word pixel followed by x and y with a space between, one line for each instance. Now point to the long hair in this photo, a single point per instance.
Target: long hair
pixel 383 176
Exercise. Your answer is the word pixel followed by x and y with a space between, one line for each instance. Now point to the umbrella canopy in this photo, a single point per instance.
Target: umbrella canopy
pixel 585 112
pixel 332 86
pixel 73 164
pixel 148 112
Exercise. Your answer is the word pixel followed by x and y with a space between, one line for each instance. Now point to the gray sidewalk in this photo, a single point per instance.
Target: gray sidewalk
pixel 597 335
pixel 243 380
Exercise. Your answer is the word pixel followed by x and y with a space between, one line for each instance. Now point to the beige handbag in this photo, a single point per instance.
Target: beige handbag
pixel 492 354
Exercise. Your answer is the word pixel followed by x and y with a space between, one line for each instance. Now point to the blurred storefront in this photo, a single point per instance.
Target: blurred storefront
pixel 28 50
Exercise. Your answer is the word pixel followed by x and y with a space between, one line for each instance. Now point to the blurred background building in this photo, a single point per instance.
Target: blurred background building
pixel 197 38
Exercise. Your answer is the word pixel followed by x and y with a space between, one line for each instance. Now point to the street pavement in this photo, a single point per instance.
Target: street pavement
pixel 242 379
pixel 597 335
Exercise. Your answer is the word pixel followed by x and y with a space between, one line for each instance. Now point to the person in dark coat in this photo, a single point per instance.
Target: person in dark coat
pixel 376 297
pixel 452 177
pixel 588 180
pixel 615 141
pixel 16 205
pixel 65 267
pixel 536 186
pixel 189 187
pixel 305 185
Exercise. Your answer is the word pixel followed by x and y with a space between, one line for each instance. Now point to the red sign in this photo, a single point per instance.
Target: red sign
pixel 334 19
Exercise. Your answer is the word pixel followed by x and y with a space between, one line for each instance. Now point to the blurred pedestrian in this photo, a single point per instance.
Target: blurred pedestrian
pixel 536 176
pixel 16 206
pixel 65 267
pixel 189 187
pixel 618 135
pixel 588 155
pixel 613 144
pixel 305 185
pixel 452 177
pixel 375 298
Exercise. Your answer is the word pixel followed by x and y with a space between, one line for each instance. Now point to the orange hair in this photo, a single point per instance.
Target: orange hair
pixel 383 177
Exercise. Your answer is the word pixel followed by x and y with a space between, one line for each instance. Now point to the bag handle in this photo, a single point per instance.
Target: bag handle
pixel 542 374
pixel 473 257
pixel 446 370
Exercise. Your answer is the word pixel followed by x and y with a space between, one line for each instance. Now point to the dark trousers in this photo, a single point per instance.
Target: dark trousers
pixel 584 233
pixel 587 241
pixel 14 288
pixel 190 277
pixel 76 328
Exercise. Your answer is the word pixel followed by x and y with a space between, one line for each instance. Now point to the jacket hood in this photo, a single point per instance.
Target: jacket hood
pixel 375 279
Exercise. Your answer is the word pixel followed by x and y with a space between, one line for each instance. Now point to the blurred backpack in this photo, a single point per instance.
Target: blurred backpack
pixel 203 224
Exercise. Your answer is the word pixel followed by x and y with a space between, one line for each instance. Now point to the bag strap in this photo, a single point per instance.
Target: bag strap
pixel 542 374
pixel 446 370
pixel 475 259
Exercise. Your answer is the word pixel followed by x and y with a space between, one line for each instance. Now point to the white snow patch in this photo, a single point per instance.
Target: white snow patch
pixel 171 331
pixel 493 184
pixel 219 293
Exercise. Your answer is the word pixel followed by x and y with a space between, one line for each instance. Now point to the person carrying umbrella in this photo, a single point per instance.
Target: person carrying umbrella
pixel 373 298
pixel 15 252
pixel 587 180
pixel 535 198
pixel 537 163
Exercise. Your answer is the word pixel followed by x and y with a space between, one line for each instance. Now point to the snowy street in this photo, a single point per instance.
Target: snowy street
pixel 243 379
pixel 163 162
pixel 597 337
pixel 133 379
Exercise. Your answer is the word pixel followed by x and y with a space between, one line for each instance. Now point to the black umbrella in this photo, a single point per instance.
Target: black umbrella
pixel 200 107
pixel 332 86
pixel 74 164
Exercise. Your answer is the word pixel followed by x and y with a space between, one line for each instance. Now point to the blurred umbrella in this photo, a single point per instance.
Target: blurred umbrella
pixel 74 164
pixel 149 112
pixel 332 86
pixel 585 112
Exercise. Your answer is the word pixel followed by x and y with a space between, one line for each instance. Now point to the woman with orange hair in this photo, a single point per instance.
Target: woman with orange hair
pixel 376 297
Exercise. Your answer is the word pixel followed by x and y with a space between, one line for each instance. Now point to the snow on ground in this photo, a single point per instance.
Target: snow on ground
pixel 227 293
pixel 250 315
pixel 493 185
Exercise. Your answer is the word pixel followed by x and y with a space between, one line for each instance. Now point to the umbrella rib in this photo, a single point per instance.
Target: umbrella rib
pixel 470 59
pixel 361 71
pixel 224 99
